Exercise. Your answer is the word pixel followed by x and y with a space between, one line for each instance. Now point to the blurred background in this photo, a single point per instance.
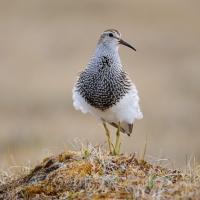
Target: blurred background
pixel 43 46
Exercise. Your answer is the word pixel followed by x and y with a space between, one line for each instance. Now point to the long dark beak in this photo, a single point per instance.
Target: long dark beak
pixel 126 44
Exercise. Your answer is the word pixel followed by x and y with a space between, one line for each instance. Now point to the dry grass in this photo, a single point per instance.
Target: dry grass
pixel 93 174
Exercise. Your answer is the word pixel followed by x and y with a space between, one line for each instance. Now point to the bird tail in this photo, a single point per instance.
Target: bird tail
pixel 124 127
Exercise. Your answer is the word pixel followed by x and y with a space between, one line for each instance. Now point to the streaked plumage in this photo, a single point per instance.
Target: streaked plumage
pixel 104 89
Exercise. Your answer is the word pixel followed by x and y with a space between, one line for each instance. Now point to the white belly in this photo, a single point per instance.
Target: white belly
pixel 126 110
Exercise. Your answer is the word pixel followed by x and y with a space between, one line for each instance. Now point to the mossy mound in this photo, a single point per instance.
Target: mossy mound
pixel 92 174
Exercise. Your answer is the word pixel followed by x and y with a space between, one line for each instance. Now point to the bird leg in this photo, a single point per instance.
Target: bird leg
pixel 117 143
pixel 108 138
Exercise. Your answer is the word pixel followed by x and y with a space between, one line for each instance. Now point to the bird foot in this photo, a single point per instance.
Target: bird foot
pixel 115 150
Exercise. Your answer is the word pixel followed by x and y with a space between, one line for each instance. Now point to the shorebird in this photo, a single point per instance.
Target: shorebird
pixel 104 89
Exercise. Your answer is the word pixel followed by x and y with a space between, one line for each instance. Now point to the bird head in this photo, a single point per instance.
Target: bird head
pixel 112 37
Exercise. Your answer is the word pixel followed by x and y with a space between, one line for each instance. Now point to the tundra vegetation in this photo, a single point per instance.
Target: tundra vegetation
pixel 93 174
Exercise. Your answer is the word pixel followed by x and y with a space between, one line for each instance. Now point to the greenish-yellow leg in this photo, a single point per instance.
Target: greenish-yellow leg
pixel 108 137
pixel 117 143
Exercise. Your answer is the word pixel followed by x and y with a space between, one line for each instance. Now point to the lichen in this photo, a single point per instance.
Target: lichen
pixel 93 174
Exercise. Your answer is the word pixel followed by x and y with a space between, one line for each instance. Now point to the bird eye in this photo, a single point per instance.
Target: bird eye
pixel 110 35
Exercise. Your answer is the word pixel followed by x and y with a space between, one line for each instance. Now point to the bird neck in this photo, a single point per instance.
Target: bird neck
pixel 108 50
pixel 105 54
